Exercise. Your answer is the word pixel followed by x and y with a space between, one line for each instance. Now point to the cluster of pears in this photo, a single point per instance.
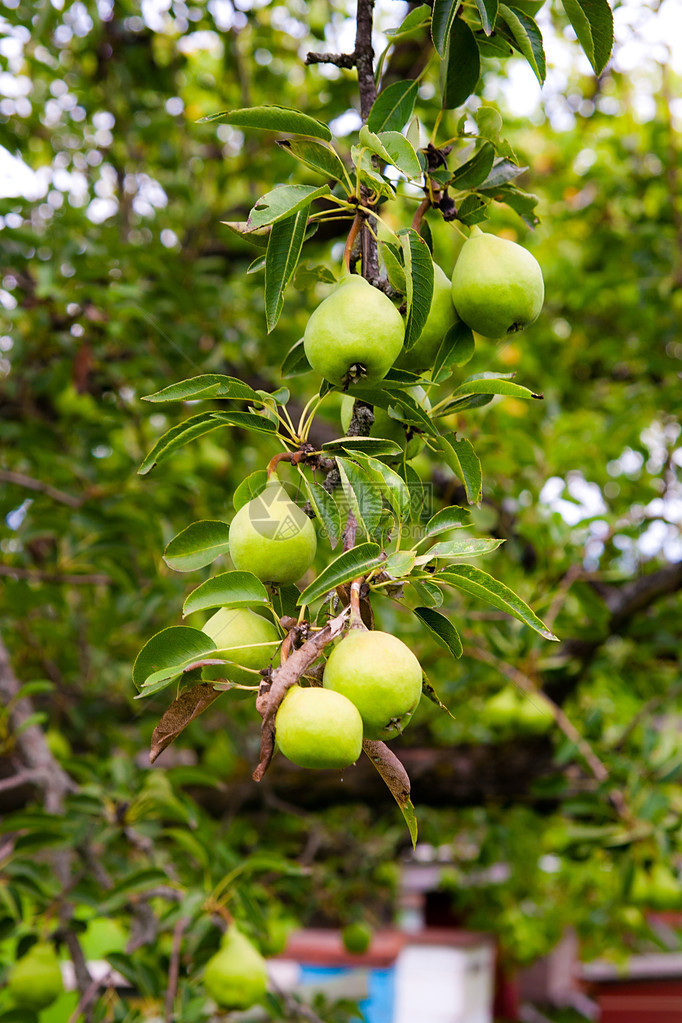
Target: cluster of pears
pixel 657 888
pixel 356 334
pixel 510 711
pixel 35 980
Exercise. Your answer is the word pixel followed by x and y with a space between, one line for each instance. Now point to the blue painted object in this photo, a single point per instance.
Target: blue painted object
pixel 378 1007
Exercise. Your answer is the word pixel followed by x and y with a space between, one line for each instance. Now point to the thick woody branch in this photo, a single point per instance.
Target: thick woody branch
pixel 345 60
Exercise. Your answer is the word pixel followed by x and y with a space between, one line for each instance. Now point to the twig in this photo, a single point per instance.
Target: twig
pixel 55 577
pixel 346 60
pixel 22 778
pixel 88 996
pixel 174 968
pixel 21 480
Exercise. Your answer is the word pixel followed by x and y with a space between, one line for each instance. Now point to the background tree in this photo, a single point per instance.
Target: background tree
pixel 118 280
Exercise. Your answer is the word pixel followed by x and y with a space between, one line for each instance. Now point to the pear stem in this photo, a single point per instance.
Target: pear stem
pixel 356 621
pixel 424 205
pixel 350 242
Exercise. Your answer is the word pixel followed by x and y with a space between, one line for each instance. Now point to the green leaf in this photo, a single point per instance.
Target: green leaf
pixel 283 202
pixel 442 628
pixel 401 153
pixel 521 202
pixel 489 123
pixel 368 445
pixel 526 38
pixel 362 494
pixel 419 280
pixel 484 383
pixel 475 170
pixel 471 548
pixel 456 349
pixel 197 545
pixel 593 24
pixel 295 361
pixel 229 589
pixel 394 268
pixel 400 564
pixel 369 175
pixel 18 1016
pixel 319 157
pixel 309 274
pixel 393 107
pixel 168 649
pixel 479 584
pixel 426 593
pixel 259 239
pixel 136 883
pixel 281 259
pixel 271 117
pixel 487 10
pixel 502 172
pixel 414 20
pixel 442 19
pixel 249 421
pixel 410 409
pixel 251 487
pixel 460 404
pixel 394 490
pixel 352 564
pixel 473 209
pixel 326 509
pixel 205 387
pixel 462 65
pixel 175 438
pixel 448 518
pixel 463 460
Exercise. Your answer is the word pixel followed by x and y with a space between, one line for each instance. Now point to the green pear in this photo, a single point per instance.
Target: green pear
pixel 35 981
pixel 243 637
pixel 442 316
pixel 641 891
pixel 497 285
pixel 380 675
pixel 236 976
pixel 356 937
pixel 272 538
pixel 318 728
pixel 500 712
pixel 533 715
pixel 392 429
pixel 355 334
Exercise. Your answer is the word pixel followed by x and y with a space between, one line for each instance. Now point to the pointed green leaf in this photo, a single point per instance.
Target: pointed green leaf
pixel 521 202
pixel 482 384
pixel 395 270
pixel 393 107
pixel 205 387
pixel 593 24
pixel 295 361
pixel 229 589
pixel 362 494
pixel 472 548
pixel 425 593
pixel 198 545
pixel 176 438
pixel 479 584
pixel 271 117
pixel 170 648
pixel 247 421
pixel 281 259
pixel 463 460
pixel 394 489
pixel 487 10
pixel 442 19
pixel 526 38
pixel 316 155
pixel 475 170
pixel 367 445
pixel 251 487
pixel 400 564
pixel 326 509
pixel 473 209
pixel 401 153
pixel 462 65
pixel 456 349
pixel 283 202
pixel 417 17
pixel 419 280
pixel 448 518
pixel 430 693
pixel 442 628
pixel 352 564
pixel 502 172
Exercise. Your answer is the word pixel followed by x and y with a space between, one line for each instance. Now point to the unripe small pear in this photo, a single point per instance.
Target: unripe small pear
pixel 380 675
pixel 244 637
pixel 318 728
pixel 236 976
pixel 354 335
pixel 272 538
pixel 497 285
pixel 35 980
